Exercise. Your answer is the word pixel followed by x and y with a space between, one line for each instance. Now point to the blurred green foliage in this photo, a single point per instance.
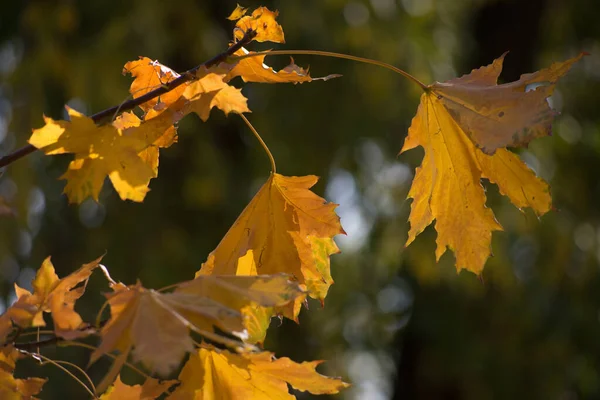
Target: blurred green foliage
pixel 395 324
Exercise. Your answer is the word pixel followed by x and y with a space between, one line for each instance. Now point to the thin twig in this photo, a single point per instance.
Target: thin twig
pixel 133 103
pixel 28 346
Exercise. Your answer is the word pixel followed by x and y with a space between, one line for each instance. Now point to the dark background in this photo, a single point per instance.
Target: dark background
pixel 395 324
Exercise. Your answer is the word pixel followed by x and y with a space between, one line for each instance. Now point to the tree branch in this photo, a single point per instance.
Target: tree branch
pixel 131 104
pixel 29 346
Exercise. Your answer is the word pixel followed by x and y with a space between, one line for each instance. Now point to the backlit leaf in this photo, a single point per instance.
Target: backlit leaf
pixel 149 75
pixel 238 13
pixel 53 295
pixel 107 150
pixel 150 390
pixel 210 90
pixel 463 124
pixel 16 389
pixel 282 242
pixel 262 20
pixel 219 374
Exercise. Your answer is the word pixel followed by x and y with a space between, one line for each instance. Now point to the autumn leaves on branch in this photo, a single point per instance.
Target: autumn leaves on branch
pixel 263 267
pixel 277 252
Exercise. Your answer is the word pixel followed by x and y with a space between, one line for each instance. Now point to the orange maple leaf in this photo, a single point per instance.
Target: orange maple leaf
pixel 262 21
pixel 115 150
pixel 463 124
pixel 52 295
pixel 16 389
pixel 212 373
pixel 150 390
pixel 210 90
pixel 156 325
pixel 149 75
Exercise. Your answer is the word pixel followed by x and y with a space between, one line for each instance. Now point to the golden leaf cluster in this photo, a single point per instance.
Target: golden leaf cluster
pixel 260 269
pixel 277 252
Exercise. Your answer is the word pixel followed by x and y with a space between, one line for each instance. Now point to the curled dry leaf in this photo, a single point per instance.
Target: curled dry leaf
pixel 212 373
pixel 463 124
pixel 507 115
pixel 16 389
pixel 262 20
pixel 150 75
pixel 150 390
pixel 52 295
pixel 156 325
pixel 254 69
pixel 116 150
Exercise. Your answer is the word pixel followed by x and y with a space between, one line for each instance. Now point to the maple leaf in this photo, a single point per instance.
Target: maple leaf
pixel 211 90
pixel 462 124
pixel 212 373
pixel 496 116
pixel 108 150
pixel 156 325
pixel 262 21
pixel 56 296
pixel 238 13
pixel 150 390
pixel 283 241
pixel 296 238
pixel 150 75
pixel 254 69
pixel 16 389
pixel 151 153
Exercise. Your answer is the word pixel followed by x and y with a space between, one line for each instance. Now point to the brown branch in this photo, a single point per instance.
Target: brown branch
pixel 131 104
pixel 28 346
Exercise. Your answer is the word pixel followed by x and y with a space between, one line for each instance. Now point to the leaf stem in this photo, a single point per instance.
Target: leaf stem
pixel 334 55
pixel 47 360
pixel 262 142
pixel 90 347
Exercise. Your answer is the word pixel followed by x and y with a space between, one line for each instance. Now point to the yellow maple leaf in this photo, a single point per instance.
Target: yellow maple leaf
pixel 156 325
pixel 254 69
pixel 150 75
pixel 108 150
pixel 151 153
pixel 219 374
pixel 296 238
pixel 16 389
pixel 282 241
pixel 150 390
pixel 262 20
pixel 210 90
pixel 53 295
pixel 256 318
pixel 238 13
pixel 463 124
